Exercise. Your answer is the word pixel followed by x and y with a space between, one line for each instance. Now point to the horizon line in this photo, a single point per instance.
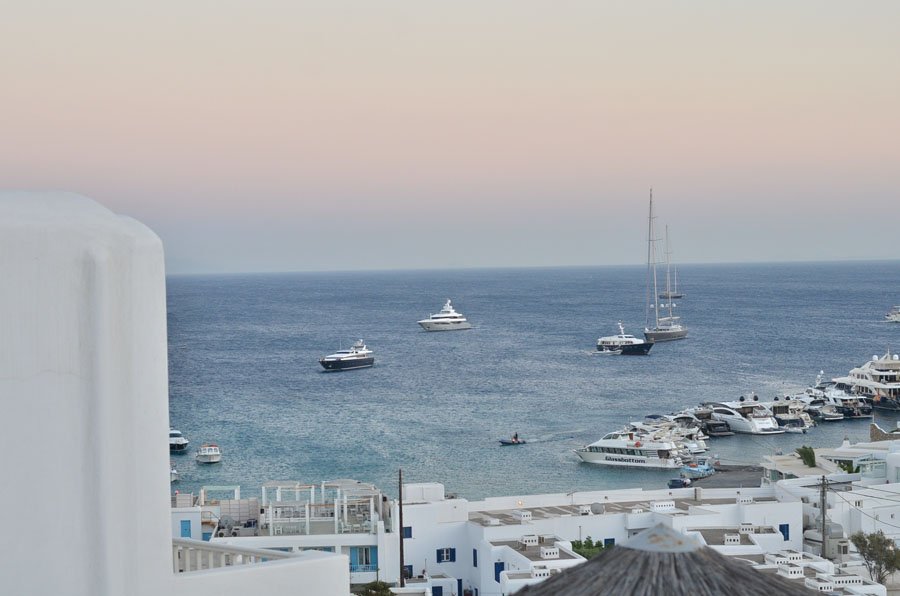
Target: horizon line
pixel 515 267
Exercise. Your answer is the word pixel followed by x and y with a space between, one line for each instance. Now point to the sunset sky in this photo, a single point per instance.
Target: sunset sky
pixel 290 135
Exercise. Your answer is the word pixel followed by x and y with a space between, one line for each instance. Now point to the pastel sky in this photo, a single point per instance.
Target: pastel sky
pixel 273 135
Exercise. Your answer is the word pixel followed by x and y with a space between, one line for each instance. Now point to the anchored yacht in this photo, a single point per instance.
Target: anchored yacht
pixel 209 453
pixel 622 343
pixel 893 315
pixel 357 356
pixel 446 320
pixel 624 448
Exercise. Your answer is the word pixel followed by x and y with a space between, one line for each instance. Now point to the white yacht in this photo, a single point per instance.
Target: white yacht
pixel 749 417
pixel 623 343
pixel 357 356
pixel 446 320
pixel 878 381
pixel 209 453
pixel 177 442
pixel 893 315
pixel 790 414
pixel 623 448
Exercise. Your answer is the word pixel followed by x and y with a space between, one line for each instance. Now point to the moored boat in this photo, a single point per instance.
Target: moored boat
pixel 626 449
pixel 627 345
pixel 446 320
pixel 209 453
pixel 177 442
pixel 356 356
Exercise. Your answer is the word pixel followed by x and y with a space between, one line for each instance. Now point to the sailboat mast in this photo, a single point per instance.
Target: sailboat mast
pixel 649 244
pixel 668 275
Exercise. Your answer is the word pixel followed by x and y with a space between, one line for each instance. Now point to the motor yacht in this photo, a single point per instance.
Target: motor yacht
pixel 709 425
pixel 356 356
pixel 209 453
pixel 177 442
pixel 622 343
pixel 790 414
pixel 623 448
pixel 744 416
pixel 878 381
pixel 446 320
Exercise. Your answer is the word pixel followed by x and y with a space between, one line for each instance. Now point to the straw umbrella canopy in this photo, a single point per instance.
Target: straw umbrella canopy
pixel 662 561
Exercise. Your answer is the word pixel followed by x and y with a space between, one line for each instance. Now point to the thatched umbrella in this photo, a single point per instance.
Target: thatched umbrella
pixel 662 561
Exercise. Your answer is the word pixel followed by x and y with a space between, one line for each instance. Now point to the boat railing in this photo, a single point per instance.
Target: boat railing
pixel 198 555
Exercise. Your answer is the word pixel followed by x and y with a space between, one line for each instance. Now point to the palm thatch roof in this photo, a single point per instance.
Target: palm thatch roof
pixel 662 561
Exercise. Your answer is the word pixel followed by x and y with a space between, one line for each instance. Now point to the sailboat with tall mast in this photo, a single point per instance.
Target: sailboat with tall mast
pixel 671 292
pixel 666 326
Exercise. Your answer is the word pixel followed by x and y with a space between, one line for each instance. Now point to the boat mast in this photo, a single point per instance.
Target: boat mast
pixel 651 271
pixel 668 275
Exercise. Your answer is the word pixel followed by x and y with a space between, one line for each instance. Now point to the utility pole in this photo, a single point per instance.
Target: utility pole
pixel 822 506
pixel 400 533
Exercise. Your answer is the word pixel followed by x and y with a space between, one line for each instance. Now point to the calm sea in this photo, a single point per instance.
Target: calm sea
pixel 243 368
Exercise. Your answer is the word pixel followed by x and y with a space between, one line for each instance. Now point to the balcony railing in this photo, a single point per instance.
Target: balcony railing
pixel 195 555
pixel 363 568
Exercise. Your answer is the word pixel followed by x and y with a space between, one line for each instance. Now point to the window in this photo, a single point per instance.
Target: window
pixel 607 542
pixel 185 528
pixel 445 555
pixel 474 557
pixel 407 531
pixel 407 571
pixel 364 555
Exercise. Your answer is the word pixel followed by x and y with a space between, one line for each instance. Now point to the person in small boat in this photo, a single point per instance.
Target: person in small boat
pixel 515 437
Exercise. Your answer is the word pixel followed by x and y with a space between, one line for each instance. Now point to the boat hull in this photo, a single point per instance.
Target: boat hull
pixel 445 326
pixel 339 365
pixel 641 349
pixel 209 459
pixel 657 335
pixel 629 461
pixel 178 448
pixel 506 442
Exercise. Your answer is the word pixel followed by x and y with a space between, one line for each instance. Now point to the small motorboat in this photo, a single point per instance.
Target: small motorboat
pixel 173 473
pixel 514 440
pixel 209 453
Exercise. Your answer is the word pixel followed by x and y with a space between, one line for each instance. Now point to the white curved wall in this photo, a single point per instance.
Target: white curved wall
pixel 83 383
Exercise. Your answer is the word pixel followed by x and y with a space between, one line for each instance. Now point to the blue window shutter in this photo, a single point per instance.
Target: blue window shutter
pixel 452 555
pixel 185 528
pixel 459 587
pixel 373 555
pixel 474 557
pixel 439 556
pixel 407 531
pixel 785 530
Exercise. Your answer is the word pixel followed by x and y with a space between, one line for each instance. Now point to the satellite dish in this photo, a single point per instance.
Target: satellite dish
pixel 597 508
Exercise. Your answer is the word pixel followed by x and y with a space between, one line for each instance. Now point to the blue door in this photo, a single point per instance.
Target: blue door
pixel 437 591
pixel 185 528
pixel 498 567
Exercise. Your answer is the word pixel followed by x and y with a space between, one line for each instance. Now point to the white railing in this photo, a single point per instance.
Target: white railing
pixel 195 555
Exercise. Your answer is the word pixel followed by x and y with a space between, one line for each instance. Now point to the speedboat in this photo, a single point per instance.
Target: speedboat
pixel 357 356
pixel 173 473
pixel 623 448
pixel 893 315
pixel 446 320
pixel 209 453
pixel 622 343
pixel 708 424
pixel 514 440
pixel 177 442
pixel 746 417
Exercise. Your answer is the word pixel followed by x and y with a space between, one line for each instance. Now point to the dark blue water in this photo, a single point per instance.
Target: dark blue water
pixel 244 372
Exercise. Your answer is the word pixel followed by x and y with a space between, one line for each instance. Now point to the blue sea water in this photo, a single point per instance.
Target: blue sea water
pixel 243 368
